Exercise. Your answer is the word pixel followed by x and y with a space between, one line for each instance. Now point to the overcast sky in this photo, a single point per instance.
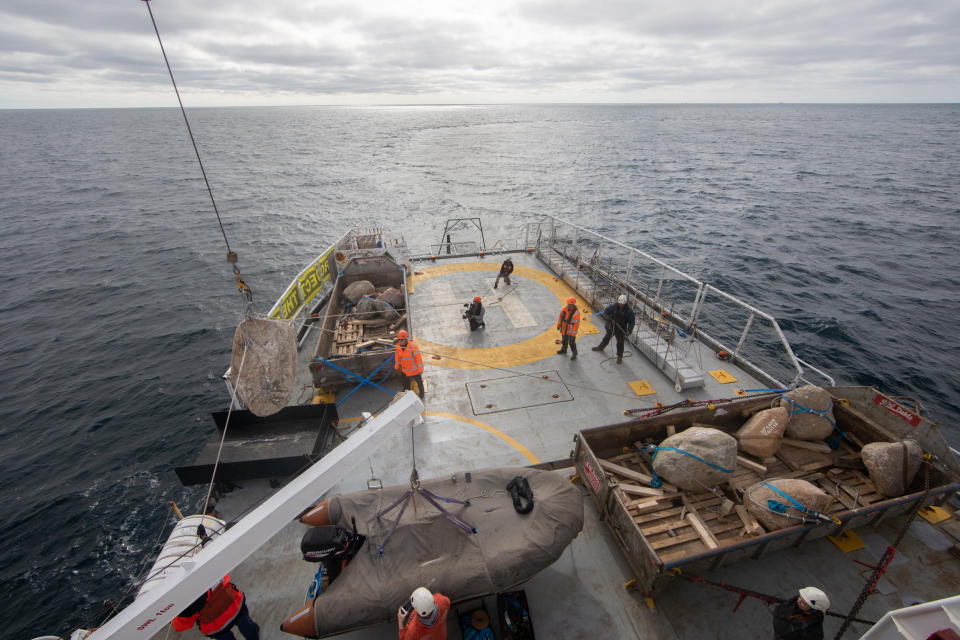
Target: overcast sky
pixel 104 53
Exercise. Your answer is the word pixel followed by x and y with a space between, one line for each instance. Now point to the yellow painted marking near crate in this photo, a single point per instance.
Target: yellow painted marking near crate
pixel 934 514
pixel 641 387
pixel 847 541
pixel 722 376
pixel 532 350
pixel 323 397
pixel 500 434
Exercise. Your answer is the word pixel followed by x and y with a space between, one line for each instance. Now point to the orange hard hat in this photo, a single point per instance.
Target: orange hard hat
pixel 476 298
pixel 402 334
pixel 571 300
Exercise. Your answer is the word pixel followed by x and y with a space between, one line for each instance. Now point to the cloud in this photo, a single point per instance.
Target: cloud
pixel 325 51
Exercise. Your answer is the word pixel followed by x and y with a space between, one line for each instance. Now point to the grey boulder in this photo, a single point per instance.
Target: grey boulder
pixel 712 445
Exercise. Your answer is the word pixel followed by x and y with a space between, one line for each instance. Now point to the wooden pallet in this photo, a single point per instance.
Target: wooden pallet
pixel 345 339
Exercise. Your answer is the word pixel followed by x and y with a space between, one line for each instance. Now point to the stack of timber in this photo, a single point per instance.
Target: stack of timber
pixel 661 527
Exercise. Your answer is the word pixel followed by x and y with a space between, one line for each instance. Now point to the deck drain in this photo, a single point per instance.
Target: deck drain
pixel 483 386
pixel 437 358
pixel 490 406
pixel 556 395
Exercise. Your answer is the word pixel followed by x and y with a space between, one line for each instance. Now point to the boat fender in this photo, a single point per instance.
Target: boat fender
pixel 520 488
pixel 327 512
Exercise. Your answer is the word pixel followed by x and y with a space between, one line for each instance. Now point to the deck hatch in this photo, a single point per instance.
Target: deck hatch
pixel 517 392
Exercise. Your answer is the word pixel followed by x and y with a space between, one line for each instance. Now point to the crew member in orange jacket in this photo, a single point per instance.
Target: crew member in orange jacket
pixel 428 618
pixel 567 325
pixel 407 358
pixel 217 611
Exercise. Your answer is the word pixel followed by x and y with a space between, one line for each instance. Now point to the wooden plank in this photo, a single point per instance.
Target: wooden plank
pixel 672 511
pixel 640 491
pixel 821 447
pixel 664 527
pixel 625 472
pixel 753 466
pixel 750 524
pixel 702 529
pixel 671 430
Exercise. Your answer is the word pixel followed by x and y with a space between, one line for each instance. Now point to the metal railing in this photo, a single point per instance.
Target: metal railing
pixel 600 269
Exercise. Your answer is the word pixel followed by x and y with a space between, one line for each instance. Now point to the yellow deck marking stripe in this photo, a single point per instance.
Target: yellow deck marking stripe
pixel 525 352
pixel 500 434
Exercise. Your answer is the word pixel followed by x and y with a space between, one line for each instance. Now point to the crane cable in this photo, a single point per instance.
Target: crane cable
pixel 231 256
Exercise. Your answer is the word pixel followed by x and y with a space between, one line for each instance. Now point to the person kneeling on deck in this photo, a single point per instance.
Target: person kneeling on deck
pixel 620 319
pixel 475 314
pixel 801 619
pixel 217 611
pixel 424 616
pixel 505 270
pixel 407 358
pixel 567 325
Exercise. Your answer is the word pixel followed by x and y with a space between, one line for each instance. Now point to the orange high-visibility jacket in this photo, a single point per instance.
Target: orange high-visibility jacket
pixel 408 359
pixel 416 630
pixel 569 321
pixel 222 605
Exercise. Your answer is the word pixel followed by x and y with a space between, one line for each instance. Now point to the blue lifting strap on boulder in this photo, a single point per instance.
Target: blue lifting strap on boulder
pixel 656 481
pixel 835 443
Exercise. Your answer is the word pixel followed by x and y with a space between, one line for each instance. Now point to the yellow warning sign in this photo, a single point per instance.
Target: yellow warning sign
pixel 641 387
pixel 722 376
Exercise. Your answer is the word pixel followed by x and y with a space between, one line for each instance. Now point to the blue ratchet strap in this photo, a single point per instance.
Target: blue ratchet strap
pixel 656 482
pixel 779 507
pixel 835 443
pixel 361 380
pixel 315 587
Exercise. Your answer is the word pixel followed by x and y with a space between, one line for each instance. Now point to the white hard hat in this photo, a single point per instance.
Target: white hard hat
pixel 815 598
pixel 423 602
pixel 622 299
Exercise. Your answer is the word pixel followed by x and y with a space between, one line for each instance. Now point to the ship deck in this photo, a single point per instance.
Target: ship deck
pixel 502 396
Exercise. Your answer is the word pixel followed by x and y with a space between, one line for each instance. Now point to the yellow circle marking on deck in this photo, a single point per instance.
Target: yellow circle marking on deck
pixel 500 434
pixel 525 352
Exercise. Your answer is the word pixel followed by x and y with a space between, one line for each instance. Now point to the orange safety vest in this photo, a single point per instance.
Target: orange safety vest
pixel 408 358
pixel 222 606
pixel 569 322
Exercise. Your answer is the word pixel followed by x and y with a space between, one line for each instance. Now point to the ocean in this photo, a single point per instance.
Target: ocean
pixel 118 307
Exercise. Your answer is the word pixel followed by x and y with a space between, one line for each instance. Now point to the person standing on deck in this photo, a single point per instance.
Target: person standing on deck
pixel 428 620
pixel 217 611
pixel 801 619
pixel 567 325
pixel 505 270
pixel 407 358
pixel 620 319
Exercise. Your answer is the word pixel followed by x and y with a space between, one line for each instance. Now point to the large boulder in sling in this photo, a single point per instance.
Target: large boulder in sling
pixel 762 434
pixel 712 445
pixel 811 413
pixel 356 290
pixel 393 297
pixel 892 465
pixel 801 491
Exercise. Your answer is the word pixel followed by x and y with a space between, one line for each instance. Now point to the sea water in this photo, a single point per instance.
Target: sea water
pixel 118 307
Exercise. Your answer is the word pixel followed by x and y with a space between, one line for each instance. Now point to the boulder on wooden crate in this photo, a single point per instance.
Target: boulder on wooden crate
pixel 892 465
pixel 693 473
pixel 762 434
pixel 356 290
pixel 784 492
pixel 811 413
pixel 392 296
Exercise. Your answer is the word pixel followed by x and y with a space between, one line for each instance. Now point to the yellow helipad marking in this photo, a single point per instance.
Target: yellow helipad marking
pixel 641 387
pixel 722 376
pixel 500 434
pixel 525 352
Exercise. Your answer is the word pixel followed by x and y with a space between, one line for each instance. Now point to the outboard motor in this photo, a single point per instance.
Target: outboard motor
pixel 331 545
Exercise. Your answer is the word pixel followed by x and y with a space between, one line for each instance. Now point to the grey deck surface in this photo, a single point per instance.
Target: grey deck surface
pixel 582 594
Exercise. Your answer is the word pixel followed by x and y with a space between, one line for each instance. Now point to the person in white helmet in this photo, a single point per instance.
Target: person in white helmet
pixel 802 618
pixel 620 319
pixel 428 618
